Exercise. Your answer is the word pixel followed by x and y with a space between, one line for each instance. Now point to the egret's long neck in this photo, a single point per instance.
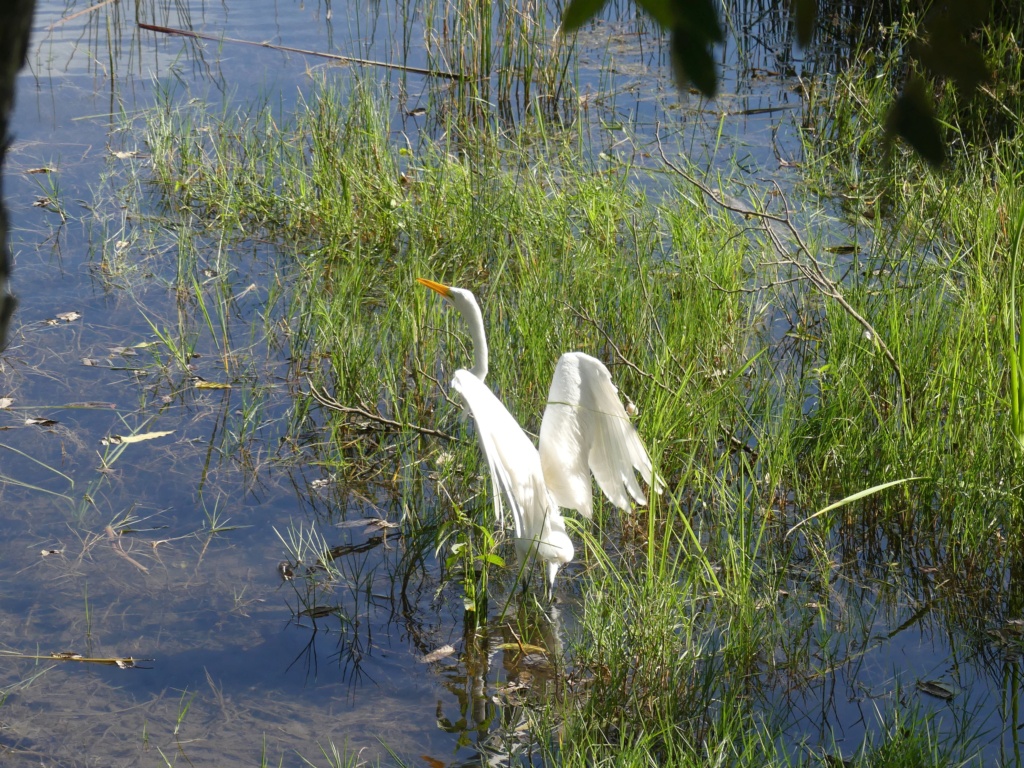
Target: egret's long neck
pixel 475 320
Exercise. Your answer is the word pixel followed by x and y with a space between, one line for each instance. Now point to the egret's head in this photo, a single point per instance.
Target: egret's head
pixel 464 301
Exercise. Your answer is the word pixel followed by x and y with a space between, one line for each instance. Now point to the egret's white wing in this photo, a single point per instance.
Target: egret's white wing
pixel 516 475
pixel 504 444
pixel 586 430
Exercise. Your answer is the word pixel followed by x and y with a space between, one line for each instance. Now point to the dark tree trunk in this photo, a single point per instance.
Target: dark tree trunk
pixel 15 25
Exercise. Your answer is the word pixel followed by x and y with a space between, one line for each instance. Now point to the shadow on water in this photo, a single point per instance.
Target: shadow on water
pixel 274 598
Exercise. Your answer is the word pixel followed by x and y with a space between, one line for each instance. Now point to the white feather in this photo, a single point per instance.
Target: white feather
pixel 586 430
pixel 516 477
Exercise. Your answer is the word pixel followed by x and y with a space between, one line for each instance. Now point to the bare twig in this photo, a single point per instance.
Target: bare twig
pixel 585 317
pixel 809 267
pixel 75 15
pixel 304 52
pixel 437 383
pixel 757 288
pixel 115 542
pixel 329 402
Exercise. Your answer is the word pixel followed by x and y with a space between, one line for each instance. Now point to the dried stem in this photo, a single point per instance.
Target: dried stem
pixel 808 267
pixel 329 402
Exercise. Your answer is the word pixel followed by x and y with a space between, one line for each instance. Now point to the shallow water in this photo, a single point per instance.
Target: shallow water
pixel 186 577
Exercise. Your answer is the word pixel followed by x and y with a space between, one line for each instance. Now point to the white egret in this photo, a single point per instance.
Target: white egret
pixel 585 430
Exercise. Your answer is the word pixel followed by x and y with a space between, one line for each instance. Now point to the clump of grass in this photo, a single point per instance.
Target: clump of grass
pixel 935 268
pixel 1012 215
pixel 507 53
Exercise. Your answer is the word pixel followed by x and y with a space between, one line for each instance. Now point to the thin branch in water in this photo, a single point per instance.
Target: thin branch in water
pixel 75 15
pixel 115 543
pixel 809 268
pixel 437 383
pixel 329 402
pixel 756 289
pixel 305 52
pixel 585 317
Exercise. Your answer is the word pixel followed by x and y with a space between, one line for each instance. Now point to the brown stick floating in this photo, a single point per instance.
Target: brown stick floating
pixel 304 52
pixel 82 12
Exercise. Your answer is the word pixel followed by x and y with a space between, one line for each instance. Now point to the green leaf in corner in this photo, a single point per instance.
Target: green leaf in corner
pixel 692 62
pixel 912 118
pixel 700 19
pixel 659 10
pixel 580 12
pixel 805 16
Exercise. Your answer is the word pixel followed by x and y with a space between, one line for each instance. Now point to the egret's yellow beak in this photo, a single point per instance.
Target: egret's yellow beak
pixel 442 289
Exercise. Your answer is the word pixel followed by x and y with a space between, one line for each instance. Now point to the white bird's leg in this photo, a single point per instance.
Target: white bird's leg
pixel 549 587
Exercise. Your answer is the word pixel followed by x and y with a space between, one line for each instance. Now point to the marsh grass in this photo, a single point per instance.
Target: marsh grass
pixel 947 304
pixel 762 401
pixel 508 55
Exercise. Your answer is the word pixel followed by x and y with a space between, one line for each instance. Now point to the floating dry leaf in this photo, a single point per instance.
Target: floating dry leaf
pixel 39 422
pixel 123 351
pixel 126 155
pixel 69 317
pixel 90 361
pixel 5 402
pixel 436 655
pixel 841 249
pixel 201 384
pixel 122 662
pixel 126 439
pixel 317 611
pixel 936 688
pixel 126 662
pixel 524 647
pixel 248 289
pixel 360 522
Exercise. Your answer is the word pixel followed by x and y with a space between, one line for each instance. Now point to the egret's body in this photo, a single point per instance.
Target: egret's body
pixel 585 430
pixel 516 474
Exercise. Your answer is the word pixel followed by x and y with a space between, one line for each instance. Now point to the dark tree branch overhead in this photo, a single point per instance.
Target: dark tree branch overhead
pixel 15 25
